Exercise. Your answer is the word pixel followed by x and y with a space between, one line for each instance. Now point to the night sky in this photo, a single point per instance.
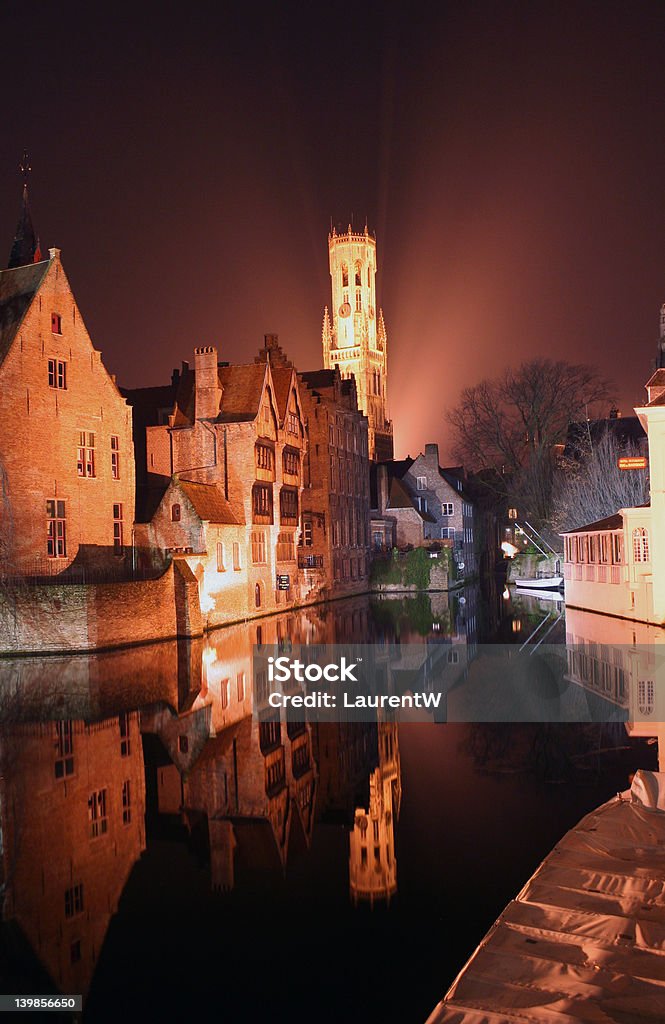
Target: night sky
pixel 187 159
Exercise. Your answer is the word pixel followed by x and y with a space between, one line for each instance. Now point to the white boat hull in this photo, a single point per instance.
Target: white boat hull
pixel 550 583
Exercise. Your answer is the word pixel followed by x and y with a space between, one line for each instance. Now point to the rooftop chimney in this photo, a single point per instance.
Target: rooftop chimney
pixel 208 391
pixel 432 453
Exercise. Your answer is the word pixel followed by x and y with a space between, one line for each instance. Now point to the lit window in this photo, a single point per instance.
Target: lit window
pixel 115 457
pixel 640 544
pixel 97 813
pixel 512 513
pixel 447 508
pixel 175 513
pixel 56 323
pixel 220 557
pixel 56 529
pixel 57 374
pixel 117 529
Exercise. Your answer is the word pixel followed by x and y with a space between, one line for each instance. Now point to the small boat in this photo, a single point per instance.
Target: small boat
pixel 541 595
pixel 544 583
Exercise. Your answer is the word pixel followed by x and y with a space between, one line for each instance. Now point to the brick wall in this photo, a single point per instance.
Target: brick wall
pixel 39 439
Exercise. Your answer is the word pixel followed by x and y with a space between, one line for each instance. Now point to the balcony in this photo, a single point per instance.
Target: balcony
pixel 310 561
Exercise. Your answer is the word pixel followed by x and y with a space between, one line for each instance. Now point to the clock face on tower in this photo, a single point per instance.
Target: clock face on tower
pixel 344 309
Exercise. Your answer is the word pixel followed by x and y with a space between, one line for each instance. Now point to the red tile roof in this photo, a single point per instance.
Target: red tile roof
pixel 209 503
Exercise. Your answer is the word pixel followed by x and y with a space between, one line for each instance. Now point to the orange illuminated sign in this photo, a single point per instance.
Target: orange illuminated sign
pixel 633 462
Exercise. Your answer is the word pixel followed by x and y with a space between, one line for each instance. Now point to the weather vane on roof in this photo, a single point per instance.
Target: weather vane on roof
pixel 24 167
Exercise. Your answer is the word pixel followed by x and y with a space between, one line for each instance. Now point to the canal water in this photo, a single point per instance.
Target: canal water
pixel 170 857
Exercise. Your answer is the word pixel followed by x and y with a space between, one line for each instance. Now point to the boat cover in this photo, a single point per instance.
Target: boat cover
pixel 585 938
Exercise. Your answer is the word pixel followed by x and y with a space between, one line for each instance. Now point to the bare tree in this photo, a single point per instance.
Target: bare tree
pixel 594 487
pixel 512 424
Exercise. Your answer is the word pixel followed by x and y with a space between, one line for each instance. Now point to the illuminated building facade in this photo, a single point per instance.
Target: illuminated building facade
pixel 354 337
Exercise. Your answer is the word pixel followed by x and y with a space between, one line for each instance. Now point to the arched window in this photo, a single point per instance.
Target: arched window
pixel 175 513
pixel 345 276
pixel 358 275
pixel 257 595
pixel 640 544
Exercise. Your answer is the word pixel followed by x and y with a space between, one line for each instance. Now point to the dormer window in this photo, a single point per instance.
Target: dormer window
pixel 56 323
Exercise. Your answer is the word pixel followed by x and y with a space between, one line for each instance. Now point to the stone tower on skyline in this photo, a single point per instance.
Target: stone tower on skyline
pixel 354 337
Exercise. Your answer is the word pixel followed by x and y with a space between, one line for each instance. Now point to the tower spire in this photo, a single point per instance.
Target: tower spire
pixel 25 247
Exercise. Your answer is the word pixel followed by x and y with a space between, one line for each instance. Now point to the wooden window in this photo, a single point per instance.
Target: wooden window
pixel 291 461
pixel 259 554
pixel 56 323
pixel 288 505
pixel 262 503
pixel 56 529
pixel 118 546
pixel 97 813
pixel 57 374
pixel 286 551
pixel 175 513
pixel 447 508
pixel 265 457
pixel 115 457
pixel 64 750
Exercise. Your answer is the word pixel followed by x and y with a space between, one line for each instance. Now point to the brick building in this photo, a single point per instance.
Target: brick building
pixel 72 814
pixel 237 432
pixel 416 501
pixel 335 522
pixel 66 451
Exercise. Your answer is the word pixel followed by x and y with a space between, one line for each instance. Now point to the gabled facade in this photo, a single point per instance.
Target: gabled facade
pixel 335 533
pixel 66 451
pixel 426 503
pixel 227 429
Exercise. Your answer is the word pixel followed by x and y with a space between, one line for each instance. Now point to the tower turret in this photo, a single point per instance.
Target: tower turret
pixel 351 338
pixel 25 247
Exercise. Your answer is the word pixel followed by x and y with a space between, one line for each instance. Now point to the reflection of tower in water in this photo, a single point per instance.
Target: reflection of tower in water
pixel 372 862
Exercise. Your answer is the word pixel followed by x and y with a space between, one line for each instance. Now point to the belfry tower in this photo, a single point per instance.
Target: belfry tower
pixel 355 338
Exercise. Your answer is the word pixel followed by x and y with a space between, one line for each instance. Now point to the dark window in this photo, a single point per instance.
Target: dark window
pixel 97 813
pixel 175 513
pixel 291 461
pixel 57 374
pixel 74 900
pixel 257 595
pixel 125 741
pixel 64 750
pixel 288 505
pixel 115 457
pixel 126 803
pixel 262 503
pixel 75 951
pixel 183 744
pixel 117 529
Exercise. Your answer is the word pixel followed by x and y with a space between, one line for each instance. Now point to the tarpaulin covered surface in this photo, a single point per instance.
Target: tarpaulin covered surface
pixel 585 939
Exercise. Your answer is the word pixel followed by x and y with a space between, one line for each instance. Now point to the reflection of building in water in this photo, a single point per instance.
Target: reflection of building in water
pixel 622 662
pixel 72 820
pixel 372 862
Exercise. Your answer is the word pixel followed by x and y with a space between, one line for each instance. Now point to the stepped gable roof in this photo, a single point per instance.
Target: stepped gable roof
pixel 209 503
pixel 18 287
